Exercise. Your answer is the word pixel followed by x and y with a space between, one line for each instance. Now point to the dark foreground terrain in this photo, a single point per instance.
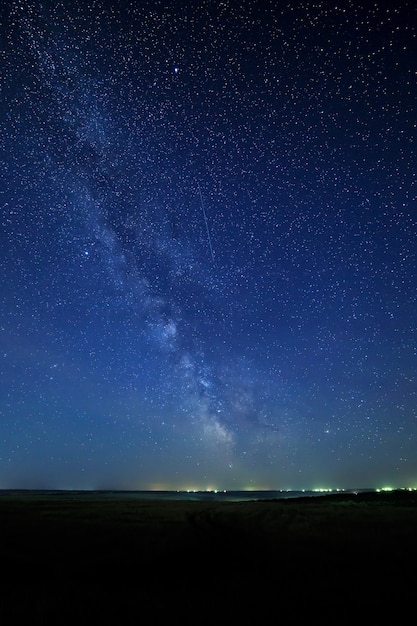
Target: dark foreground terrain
pixel 74 558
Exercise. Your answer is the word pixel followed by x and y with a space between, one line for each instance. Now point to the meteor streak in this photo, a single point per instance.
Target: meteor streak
pixel 205 220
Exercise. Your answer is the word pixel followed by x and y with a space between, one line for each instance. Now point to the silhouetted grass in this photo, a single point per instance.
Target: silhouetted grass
pixel 85 559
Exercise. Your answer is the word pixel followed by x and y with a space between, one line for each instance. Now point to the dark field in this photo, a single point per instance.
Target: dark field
pixel 83 559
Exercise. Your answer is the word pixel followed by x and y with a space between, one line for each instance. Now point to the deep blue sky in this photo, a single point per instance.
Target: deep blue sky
pixel 208 244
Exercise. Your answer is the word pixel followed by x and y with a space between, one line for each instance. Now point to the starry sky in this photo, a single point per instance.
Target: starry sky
pixel 208 244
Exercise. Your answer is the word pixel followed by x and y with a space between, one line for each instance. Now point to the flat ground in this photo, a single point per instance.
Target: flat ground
pixel 70 558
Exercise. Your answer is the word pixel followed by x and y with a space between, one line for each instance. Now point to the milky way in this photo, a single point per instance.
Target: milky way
pixel 208 266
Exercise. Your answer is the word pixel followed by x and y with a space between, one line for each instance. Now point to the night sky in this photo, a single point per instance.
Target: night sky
pixel 208 244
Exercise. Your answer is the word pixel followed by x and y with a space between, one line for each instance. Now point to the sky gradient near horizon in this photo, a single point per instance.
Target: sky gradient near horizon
pixel 208 244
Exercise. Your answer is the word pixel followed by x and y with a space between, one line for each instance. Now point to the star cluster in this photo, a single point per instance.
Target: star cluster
pixel 208 244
